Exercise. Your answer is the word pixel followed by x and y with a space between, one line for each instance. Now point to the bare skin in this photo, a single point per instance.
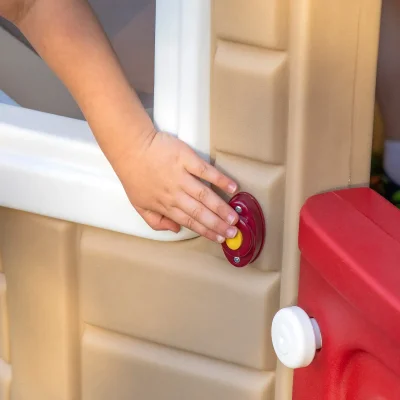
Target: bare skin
pixel 159 172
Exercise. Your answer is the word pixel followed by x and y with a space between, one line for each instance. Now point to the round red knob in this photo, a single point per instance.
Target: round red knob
pixel 246 247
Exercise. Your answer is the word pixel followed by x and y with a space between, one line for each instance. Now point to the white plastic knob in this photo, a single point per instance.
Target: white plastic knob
pixel 295 337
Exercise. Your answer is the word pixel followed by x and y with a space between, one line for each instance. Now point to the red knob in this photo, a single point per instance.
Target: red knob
pixel 246 247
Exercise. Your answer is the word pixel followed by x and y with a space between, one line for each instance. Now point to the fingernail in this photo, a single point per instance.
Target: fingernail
pixel 220 239
pixel 231 232
pixel 232 187
pixel 231 219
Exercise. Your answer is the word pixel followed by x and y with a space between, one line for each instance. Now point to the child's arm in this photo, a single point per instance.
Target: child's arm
pixel 157 170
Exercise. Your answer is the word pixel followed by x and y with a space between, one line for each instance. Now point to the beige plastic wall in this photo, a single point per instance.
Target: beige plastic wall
pixel 87 314
pixel 293 95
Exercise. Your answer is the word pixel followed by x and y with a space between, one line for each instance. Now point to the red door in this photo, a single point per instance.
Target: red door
pixel 350 285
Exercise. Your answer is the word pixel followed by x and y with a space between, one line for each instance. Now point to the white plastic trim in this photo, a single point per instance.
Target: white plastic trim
pixel 182 71
pixel 52 166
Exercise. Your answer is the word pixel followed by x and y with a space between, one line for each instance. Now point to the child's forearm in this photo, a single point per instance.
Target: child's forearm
pixel 161 175
pixel 69 38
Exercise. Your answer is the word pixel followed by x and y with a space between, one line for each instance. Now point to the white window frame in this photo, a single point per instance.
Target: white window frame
pixel 52 166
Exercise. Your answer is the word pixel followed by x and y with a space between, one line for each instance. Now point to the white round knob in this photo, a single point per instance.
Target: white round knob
pixel 295 337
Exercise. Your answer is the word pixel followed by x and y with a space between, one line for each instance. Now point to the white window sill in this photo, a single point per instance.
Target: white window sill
pixel 52 166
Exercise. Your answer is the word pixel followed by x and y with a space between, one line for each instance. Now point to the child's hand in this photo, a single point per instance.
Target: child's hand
pixel 162 184
pixel 160 178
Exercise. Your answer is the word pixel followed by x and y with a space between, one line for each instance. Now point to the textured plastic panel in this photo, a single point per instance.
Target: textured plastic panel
pixel 324 141
pixel 259 23
pixel 178 297
pixel 5 380
pixel 324 123
pixel 166 293
pixel 4 329
pixel 140 370
pixel 332 82
pixel 249 94
pixel 39 261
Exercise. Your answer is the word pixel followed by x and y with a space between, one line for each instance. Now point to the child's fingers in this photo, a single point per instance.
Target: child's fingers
pixel 157 221
pixel 200 213
pixel 210 199
pixel 198 167
pixel 189 222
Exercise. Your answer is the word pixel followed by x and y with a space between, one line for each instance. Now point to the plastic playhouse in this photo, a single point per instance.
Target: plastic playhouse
pixel 94 305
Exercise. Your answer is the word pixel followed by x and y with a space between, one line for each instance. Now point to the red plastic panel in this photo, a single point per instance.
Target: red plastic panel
pixel 350 283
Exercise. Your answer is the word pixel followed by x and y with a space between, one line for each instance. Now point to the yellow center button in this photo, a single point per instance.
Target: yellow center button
pixel 235 242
